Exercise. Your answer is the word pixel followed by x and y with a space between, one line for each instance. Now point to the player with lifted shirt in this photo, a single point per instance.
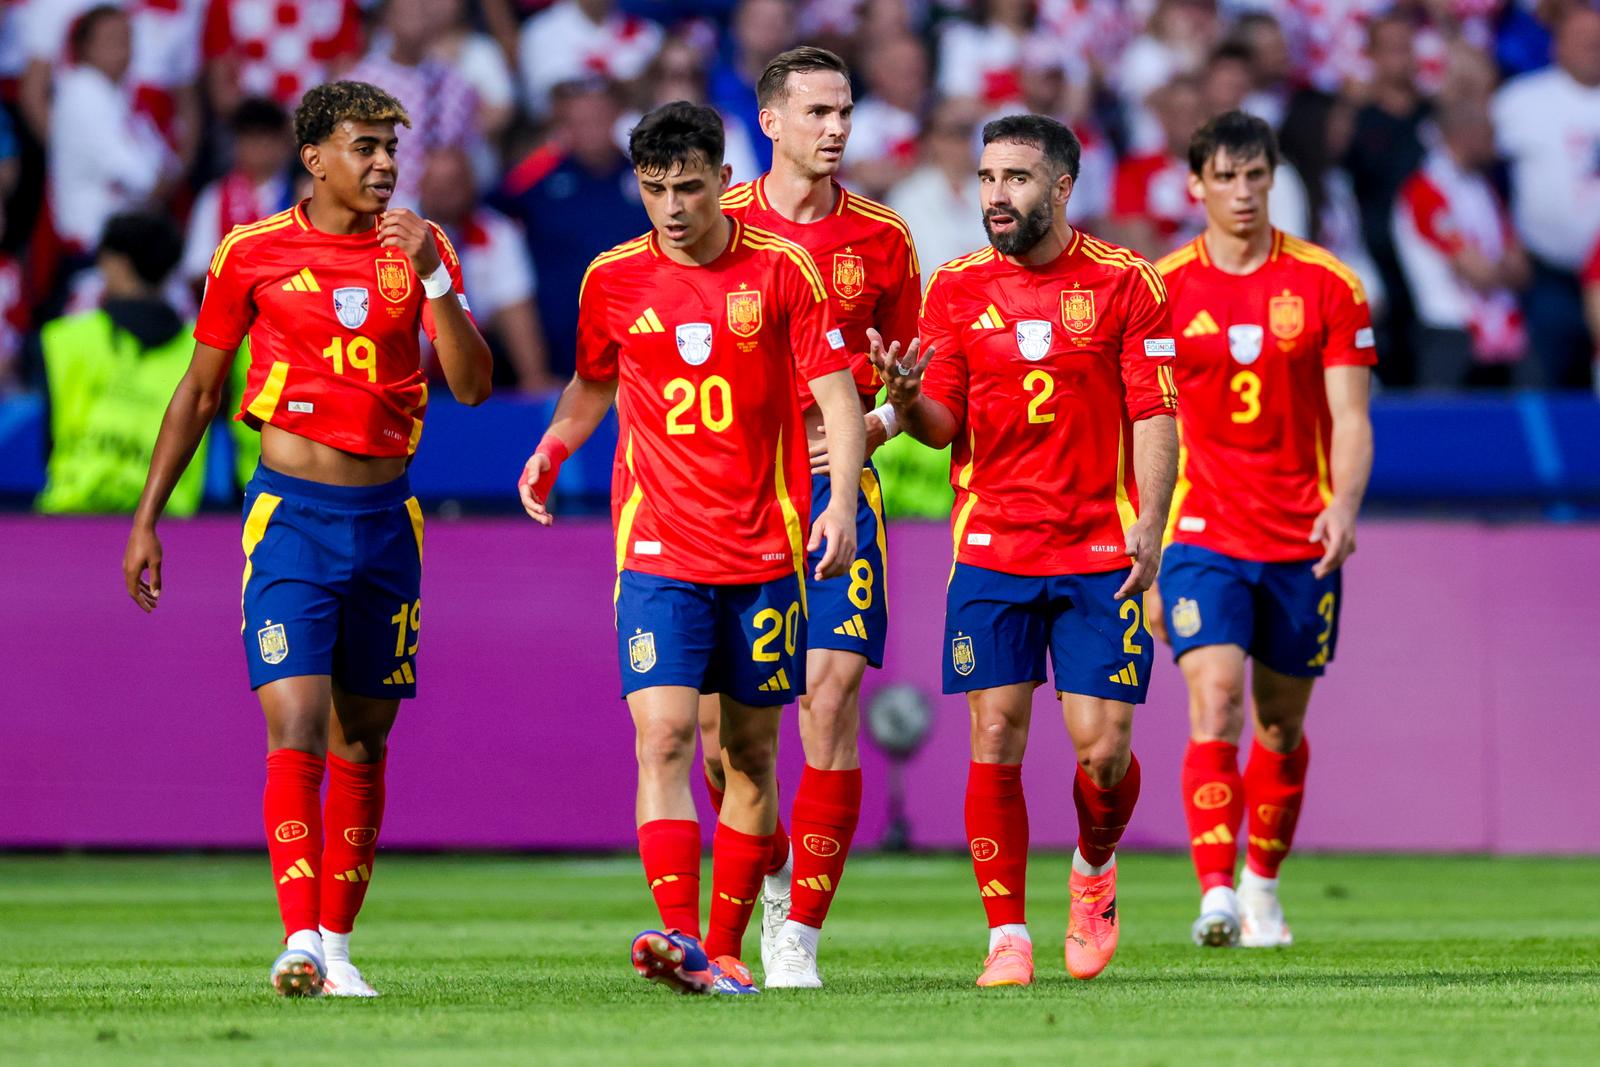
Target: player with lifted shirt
pixel 869 266
pixel 1275 349
pixel 1051 374
pixel 701 331
pixel 331 294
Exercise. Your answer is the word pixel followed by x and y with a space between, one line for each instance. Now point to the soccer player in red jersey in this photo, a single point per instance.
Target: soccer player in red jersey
pixel 1048 365
pixel 869 265
pixel 331 294
pixel 1275 349
pixel 701 331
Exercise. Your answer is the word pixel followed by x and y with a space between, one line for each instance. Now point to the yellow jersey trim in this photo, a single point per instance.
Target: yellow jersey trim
pixel 625 517
pixel 414 509
pixel 267 225
pixel 1324 481
pixel 956 266
pixel 768 241
pixel 1125 510
pixel 869 208
pixel 623 251
pixel 1306 252
pixel 255 528
pixel 1182 257
pixel 791 524
pixel 265 405
pixel 964 482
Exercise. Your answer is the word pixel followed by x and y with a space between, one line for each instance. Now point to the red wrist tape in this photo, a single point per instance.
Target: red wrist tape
pixel 556 451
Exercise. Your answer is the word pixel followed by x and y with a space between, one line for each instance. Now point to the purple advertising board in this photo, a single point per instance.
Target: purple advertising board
pixel 1462 713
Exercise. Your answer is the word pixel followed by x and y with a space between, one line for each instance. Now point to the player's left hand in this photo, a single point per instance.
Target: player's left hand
pixel 1144 547
pixel 403 229
pixel 836 527
pixel 534 488
pixel 1335 530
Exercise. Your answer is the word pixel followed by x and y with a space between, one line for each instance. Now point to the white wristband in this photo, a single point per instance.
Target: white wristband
pixel 438 283
pixel 891 423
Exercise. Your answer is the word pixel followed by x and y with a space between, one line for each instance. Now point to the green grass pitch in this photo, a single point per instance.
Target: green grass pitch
pixel 513 960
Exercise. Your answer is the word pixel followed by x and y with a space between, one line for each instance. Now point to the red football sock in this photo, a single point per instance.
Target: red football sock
pixel 350 819
pixel 826 810
pixel 1103 814
pixel 1274 786
pixel 738 860
pixel 670 849
pixel 1213 803
pixel 779 839
pixel 291 808
pixel 997 834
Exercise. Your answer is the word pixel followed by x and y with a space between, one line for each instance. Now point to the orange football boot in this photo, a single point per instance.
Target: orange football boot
pixel 1092 931
pixel 1011 963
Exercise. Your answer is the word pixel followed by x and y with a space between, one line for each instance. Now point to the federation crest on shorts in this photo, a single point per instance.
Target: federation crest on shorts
pixel 849 275
pixel 1077 310
pixel 1185 617
pixel 1033 339
pixel 1244 343
pixel 961 655
pixel 694 342
pixel 642 652
pixel 350 304
pixel 1286 316
pixel 744 312
pixel 274 643
pixel 394 280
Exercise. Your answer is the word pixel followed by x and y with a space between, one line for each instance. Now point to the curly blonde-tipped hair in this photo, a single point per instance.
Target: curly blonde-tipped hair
pixel 324 107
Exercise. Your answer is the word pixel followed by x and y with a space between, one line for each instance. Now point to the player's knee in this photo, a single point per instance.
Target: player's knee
pixel 753 754
pixel 997 737
pixel 828 722
pixel 1280 732
pixel 1105 762
pixel 663 746
pixel 1216 706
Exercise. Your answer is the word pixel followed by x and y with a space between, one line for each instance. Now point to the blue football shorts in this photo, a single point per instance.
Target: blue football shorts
pixel 851 612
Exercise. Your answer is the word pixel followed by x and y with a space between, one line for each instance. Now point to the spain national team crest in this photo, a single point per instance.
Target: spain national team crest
pixel 1077 310
pixel 1033 339
pixel 744 312
pixel 961 656
pixel 274 643
pixel 642 652
pixel 1185 617
pixel 350 304
pixel 694 342
pixel 1244 343
pixel 394 280
pixel 849 275
pixel 1286 316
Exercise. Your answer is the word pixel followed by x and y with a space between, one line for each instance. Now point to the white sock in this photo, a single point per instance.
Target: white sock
pixel 1249 879
pixel 1008 930
pixel 808 935
pixel 306 941
pixel 335 946
pixel 1084 867
pixel 778 884
pixel 1219 898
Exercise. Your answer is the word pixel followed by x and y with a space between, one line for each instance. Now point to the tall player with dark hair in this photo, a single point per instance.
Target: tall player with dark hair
pixel 1276 347
pixel 1048 362
pixel 869 266
pixel 331 294
pixel 702 330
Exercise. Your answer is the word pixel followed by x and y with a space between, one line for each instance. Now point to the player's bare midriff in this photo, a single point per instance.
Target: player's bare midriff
pixel 301 457
pixel 812 417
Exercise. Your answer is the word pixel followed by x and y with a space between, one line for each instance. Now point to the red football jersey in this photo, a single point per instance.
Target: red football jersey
pixel 712 480
pixel 1047 368
pixel 1255 428
pixel 332 321
pixel 868 263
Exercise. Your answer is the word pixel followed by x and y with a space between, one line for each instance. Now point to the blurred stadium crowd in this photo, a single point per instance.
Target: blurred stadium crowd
pixel 1449 150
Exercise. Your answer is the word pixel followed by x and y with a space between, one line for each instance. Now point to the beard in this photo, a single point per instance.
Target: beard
pixel 1029 230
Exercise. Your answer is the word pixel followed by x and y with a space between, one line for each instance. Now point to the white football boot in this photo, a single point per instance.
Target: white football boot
pixel 343 980
pixel 1218 925
pixel 1261 922
pixel 299 969
pixel 775 905
pixel 792 963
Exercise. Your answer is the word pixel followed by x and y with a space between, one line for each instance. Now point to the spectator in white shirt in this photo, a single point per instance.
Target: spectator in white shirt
pixel 1548 124
pixel 257 185
pixel 104 157
pixel 887 120
pixel 939 200
pixel 477 57
pixel 576 39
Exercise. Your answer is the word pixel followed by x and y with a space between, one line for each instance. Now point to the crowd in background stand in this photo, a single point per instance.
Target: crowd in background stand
pixel 1449 150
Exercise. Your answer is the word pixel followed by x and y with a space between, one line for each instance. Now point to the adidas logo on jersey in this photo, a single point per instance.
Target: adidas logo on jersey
pixel 852 627
pixel 304 282
pixel 777 683
pixel 1128 675
pixel 403 676
pixel 991 319
pixel 649 322
pixel 1201 325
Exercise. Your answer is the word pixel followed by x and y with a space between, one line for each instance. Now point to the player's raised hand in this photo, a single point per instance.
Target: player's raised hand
pixel 901 375
pixel 1335 531
pixel 837 528
pixel 403 229
pixel 143 553
pixel 534 488
pixel 1144 547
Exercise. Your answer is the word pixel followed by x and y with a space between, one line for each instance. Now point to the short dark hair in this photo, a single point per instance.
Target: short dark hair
pixel 1231 52
pixel 1241 135
pixel 676 135
pixel 1057 141
pixel 151 242
pixel 773 87
pixel 258 114
pixel 324 107
pixel 84 25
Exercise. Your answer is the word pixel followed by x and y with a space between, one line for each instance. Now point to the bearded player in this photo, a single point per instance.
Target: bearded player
pixel 1048 365
pixel 331 294
pixel 869 265
pixel 1275 356
pixel 702 330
